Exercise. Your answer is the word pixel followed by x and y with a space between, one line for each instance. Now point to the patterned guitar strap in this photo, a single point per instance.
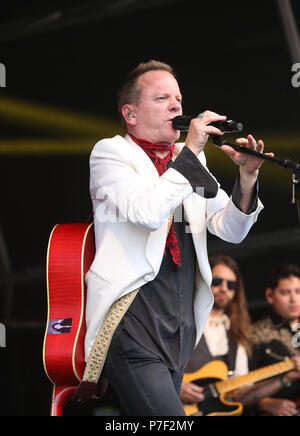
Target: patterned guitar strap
pixel 92 384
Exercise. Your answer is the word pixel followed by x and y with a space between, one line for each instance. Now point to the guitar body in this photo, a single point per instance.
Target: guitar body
pixel 71 251
pixel 217 405
pixel 217 387
pixel 217 369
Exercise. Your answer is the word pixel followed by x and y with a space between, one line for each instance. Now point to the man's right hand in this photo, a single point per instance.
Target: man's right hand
pixel 191 393
pixel 278 406
pixel 200 130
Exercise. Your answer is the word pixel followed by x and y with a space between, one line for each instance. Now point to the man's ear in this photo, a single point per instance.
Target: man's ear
pixel 269 295
pixel 129 114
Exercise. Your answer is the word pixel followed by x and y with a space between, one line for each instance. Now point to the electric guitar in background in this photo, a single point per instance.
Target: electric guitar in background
pixel 217 387
pixel 71 250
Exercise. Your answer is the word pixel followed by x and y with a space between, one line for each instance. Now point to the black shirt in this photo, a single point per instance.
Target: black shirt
pixel 161 317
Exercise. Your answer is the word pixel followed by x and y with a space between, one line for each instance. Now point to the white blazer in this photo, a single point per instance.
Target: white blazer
pixel 131 206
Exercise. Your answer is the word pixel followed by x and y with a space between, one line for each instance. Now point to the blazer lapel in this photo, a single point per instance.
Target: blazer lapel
pixel 143 162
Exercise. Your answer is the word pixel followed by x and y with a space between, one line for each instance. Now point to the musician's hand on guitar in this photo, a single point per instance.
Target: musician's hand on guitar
pixel 191 393
pixel 278 406
pixel 295 373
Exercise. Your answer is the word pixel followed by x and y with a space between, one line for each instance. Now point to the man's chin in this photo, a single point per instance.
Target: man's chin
pixel 172 135
pixel 171 139
pixel 176 135
pixel 221 305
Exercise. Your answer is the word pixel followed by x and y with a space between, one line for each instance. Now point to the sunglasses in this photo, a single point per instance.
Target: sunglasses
pixel 231 284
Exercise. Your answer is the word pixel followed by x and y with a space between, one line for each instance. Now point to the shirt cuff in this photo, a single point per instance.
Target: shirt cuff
pixel 191 168
pixel 237 195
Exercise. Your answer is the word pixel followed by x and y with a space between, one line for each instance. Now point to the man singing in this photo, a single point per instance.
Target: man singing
pixel 153 201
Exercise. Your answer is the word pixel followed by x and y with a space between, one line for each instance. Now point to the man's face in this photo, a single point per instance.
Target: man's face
pixel 160 101
pixel 285 299
pixel 221 290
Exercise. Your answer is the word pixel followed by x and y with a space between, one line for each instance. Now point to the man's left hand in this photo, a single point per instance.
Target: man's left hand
pixel 249 165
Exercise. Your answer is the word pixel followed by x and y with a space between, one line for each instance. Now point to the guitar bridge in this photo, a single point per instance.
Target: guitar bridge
pixel 213 390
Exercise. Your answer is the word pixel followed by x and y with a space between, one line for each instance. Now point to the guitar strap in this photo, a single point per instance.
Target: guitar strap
pixel 91 382
pixel 232 352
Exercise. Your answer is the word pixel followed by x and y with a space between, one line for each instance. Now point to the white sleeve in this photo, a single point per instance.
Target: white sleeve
pixel 241 363
pixel 226 221
pixel 121 190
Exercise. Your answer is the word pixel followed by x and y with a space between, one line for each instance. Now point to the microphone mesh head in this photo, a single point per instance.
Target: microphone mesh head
pixel 233 126
pixel 181 122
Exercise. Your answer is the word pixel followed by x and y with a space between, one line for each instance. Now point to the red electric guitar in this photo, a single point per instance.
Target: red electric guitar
pixel 71 251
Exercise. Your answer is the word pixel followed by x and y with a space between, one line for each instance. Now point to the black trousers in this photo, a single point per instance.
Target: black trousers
pixel 141 380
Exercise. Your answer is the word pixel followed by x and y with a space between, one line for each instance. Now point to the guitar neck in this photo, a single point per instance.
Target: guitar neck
pixel 254 376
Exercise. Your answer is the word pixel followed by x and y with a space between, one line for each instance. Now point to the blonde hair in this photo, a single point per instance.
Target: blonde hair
pixel 129 93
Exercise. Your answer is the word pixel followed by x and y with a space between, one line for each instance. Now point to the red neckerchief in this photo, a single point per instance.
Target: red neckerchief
pixel 161 166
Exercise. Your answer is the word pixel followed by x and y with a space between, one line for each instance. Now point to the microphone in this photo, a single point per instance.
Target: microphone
pixel 182 122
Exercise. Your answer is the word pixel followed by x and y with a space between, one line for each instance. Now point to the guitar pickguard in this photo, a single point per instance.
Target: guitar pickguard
pixel 214 406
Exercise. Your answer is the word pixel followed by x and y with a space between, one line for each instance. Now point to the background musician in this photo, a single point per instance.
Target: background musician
pixel 274 338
